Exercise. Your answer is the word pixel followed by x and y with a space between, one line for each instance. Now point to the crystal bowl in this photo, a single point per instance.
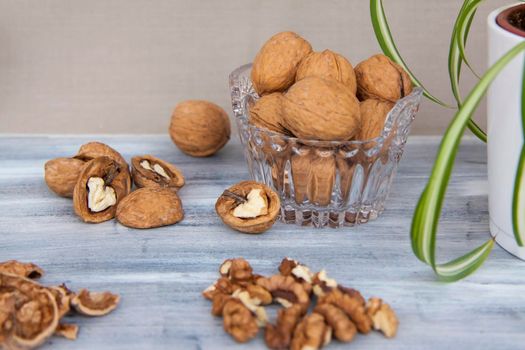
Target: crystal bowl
pixel 323 183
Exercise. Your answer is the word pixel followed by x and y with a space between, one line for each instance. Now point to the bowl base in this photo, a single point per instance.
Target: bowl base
pixel 333 219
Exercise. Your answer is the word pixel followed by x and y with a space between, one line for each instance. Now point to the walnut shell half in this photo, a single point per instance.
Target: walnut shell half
pixel 61 175
pixel 320 109
pixel 150 171
pixel 101 186
pixel 95 149
pixel 94 303
pixel 150 207
pixel 381 78
pixel 35 312
pixel 328 65
pixel 229 207
pixel 275 65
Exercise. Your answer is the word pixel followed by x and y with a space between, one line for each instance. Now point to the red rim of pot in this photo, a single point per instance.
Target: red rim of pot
pixel 503 20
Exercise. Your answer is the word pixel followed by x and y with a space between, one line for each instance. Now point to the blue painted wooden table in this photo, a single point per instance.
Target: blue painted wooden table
pixel 160 272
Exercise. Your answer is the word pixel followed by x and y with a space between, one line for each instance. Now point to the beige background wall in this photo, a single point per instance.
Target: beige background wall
pixel 120 66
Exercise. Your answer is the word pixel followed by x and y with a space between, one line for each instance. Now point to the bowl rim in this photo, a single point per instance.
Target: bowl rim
pixel 414 96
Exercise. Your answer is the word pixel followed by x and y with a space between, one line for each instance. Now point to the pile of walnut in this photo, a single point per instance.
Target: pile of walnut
pixel 30 313
pixel 239 296
pixel 319 95
pixel 99 180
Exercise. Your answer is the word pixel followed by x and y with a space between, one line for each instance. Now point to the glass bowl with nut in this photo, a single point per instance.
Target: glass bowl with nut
pixel 326 136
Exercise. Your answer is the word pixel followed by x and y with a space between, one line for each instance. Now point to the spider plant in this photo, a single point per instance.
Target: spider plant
pixel 428 210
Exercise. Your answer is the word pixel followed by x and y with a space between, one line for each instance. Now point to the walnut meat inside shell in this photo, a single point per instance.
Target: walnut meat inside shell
pixel 248 207
pixel 276 63
pixel 150 207
pixel 100 187
pixel 150 171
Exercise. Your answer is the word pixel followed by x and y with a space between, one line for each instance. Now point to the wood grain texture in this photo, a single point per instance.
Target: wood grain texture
pixel 161 272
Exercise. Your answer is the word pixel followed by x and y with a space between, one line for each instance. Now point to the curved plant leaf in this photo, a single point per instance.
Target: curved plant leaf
pixel 518 201
pixel 462 26
pixel 385 40
pixel 428 210
pixel 457 56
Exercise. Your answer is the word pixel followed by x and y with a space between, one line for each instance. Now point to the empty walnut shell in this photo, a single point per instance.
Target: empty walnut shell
pixel 61 175
pixel 17 268
pixel 267 113
pixel 150 171
pixel 315 108
pixel 373 115
pixel 67 330
pixel 95 149
pixel 94 303
pixel 328 65
pixel 104 201
pixel 150 207
pixel 380 78
pixel 35 309
pixel 199 128
pixel 276 63
pixel 227 203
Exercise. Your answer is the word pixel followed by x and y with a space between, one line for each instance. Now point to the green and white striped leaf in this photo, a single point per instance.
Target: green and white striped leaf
pixel 385 40
pixel 428 210
pixel 457 56
pixel 518 201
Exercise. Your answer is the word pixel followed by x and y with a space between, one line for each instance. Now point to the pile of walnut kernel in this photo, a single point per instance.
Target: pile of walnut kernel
pixel 239 296
pixel 30 313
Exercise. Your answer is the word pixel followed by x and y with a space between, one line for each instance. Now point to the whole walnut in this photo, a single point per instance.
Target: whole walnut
pixel 276 63
pixel 373 115
pixel 316 108
pixel 199 128
pixel 381 78
pixel 328 65
pixel 267 113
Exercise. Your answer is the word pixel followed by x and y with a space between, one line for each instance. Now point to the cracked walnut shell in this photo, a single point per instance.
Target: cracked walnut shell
pixel 380 78
pixel 101 186
pixel 199 128
pixel 94 303
pixel 17 268
pixel 150 207
pixel 95 149
pixel 276 63
pixel 373 116
pixel 61 175
pixel 248 207
pixel 150 171
pixel 320 109
pixel 34 312
pixel 328 65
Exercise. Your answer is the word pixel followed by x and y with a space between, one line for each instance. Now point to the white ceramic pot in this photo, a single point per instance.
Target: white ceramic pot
pixel 505 137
